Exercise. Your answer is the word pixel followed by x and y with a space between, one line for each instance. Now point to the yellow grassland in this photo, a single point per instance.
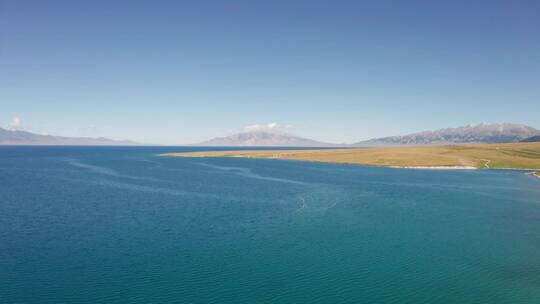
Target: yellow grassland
pixel 513 155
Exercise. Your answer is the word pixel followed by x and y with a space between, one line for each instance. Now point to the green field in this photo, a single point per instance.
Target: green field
pixel 514 155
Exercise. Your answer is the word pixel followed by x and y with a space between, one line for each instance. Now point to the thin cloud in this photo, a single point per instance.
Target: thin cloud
pixel 269 127
pixel 15 124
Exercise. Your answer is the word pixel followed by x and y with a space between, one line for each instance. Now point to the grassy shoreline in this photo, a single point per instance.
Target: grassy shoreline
pixel 524 156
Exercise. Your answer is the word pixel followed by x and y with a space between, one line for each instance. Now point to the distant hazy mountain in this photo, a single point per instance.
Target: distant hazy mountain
pixel 262 138
pixel 9 137
pixel 482 133
pixel 532 139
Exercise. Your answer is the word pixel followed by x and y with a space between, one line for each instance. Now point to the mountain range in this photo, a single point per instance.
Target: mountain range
pixel 532 139
pixel 264 138
pixel 18 137
pixel 481 133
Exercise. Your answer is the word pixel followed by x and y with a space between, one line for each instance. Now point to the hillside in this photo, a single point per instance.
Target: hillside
pixel 266 139
pixel 532 139
pixel 482 133
pixel 15 137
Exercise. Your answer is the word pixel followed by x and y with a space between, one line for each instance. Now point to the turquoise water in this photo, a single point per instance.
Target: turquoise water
pixel 122 225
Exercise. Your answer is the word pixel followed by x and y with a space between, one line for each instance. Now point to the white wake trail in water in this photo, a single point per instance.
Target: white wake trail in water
pixel 108 171
pixel 315 198
pixel 148 189
pixel 104 171
pixel 319 198
pixel 247 172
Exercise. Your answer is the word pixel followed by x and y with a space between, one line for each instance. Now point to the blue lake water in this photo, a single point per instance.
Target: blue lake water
pixel 123 225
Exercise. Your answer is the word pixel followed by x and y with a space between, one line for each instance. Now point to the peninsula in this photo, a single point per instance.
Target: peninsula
pixel 466 156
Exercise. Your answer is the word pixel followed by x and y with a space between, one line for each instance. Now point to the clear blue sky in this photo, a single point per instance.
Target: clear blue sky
pixel 183 71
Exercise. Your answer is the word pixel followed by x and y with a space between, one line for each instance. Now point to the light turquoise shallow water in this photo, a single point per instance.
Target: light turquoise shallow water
pixel 122 225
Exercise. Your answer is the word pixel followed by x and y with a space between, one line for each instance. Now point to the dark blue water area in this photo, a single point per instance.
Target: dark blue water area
pixel 125 225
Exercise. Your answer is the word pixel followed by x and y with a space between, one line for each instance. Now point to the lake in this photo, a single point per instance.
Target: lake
pixel 124 225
